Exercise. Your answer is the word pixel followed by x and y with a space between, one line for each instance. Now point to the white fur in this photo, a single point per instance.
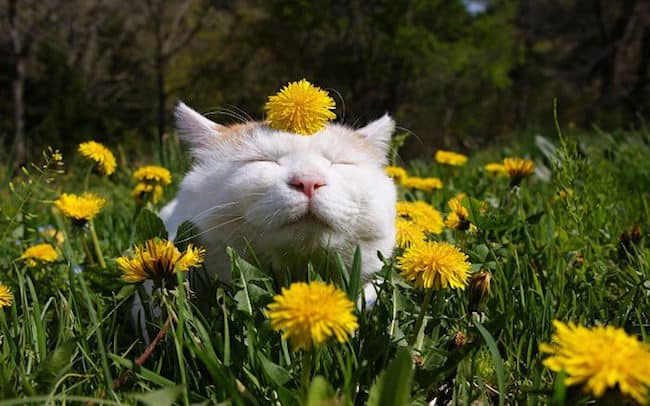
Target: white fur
pixel 238 190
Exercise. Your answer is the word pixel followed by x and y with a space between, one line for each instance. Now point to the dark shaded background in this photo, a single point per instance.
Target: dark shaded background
pixel 457 73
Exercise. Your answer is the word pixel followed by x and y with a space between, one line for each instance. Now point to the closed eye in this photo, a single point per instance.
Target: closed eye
pixel 254 160
pixel 343 163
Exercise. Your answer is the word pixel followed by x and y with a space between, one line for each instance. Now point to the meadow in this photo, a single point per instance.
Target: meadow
pixel 564 241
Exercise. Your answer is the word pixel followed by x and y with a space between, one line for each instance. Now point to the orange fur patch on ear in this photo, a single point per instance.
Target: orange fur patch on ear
pixel 234 134
pixel 239 129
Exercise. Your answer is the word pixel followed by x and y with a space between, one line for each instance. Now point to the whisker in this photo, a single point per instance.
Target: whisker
pixel 236 229
pixel 267 219
pixel 211 228
pixel 342 103
pixel 411 133
pixel 222 205
pixel 243 117
pixel 226 113
pixel 215 207
pixel 242 111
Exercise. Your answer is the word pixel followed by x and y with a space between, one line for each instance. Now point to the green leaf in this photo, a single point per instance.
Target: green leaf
pixel 58 361
pixel 125 292
pixel 482 252
pixel 37 318
pixel 249 271
pixel 243 301
pixel 274 372
pixel 559 390
pixel 498 362
pixel 394 384
pixel 320 392
pixel 535 218
pixel 184 234
pixel 355 275
pixel 148 225
pixel 143 373
pixel 161 397
pixel 342 272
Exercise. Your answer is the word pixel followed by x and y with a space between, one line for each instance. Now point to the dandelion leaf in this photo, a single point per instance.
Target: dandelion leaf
pixel 394 384
pixel 148 225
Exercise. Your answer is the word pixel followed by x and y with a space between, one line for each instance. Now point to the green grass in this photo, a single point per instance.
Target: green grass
pixel 66 337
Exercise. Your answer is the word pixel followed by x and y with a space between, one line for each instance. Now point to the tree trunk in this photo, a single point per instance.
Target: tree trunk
pixel 17 85
pixel 162 100
pixel 639 93
pixel 157 15
pixel 609 90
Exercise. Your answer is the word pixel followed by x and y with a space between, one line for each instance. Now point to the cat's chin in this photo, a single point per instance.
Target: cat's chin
pixel 308 221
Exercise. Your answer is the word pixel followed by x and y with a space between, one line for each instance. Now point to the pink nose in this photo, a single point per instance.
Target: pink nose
pixel 307 184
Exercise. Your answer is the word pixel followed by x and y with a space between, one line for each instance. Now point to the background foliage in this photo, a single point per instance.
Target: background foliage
pixel 457 73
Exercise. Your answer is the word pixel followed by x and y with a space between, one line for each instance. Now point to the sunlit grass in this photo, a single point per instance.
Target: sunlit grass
pixel 537 252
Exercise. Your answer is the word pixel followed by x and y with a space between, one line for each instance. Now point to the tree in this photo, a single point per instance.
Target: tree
pixel 172 26
pixel 22 19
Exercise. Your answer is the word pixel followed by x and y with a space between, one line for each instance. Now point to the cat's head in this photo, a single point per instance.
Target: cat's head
pixel 288 187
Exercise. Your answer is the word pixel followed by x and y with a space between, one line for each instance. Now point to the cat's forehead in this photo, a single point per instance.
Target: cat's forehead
pixel 334 138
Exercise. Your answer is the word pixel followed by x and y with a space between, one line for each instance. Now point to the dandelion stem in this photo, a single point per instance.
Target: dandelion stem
pixel 98 249
pixel 306 369
pixel 120 380
pixel 87 178
pixel 423 310
pixel 84 246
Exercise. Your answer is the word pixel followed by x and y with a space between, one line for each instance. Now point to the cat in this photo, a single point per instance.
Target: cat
pixel 293 198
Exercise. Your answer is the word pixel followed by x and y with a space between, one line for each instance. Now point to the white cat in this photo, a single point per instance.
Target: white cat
pixel 292 197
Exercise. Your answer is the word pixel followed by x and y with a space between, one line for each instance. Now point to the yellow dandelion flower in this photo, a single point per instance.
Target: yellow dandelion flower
pixel 422 214
pixel 6 297
pixel 458 217
pixel 153 174
pixel 396 172
pixel 518 169
pixel 300 107
pixel 424 184
pixel 39 253
pixel 143 191
pixel 57 156
pixel 450 158
pixel 101 155
pixel 159 260
pixel 309 314
pixel 80 208
pixel 561 195
pixel 53 234
pixel 455 222
pixel 434 265
pixel 495 168
pixel 600 358
pixel 408 233
pixel 190 258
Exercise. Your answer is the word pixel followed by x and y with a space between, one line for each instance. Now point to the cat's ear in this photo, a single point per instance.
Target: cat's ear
pixel 193 129
pixel 378 132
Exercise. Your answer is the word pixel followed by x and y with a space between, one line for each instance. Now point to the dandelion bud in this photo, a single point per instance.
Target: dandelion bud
pixel 478 289
pixel 457 341
pixel 418 360
pixel 629 239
